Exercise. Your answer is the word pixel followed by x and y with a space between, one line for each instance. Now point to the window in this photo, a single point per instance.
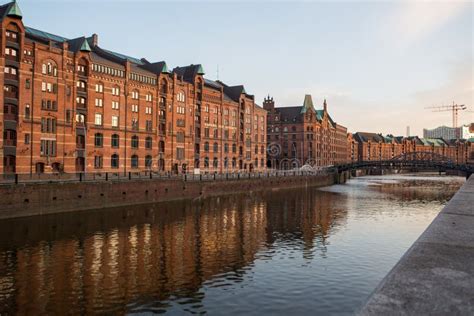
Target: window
pixel 98 119
pixel 135 108
pixel 148 162
pixel 181 96
pixel 11 35
pixel 234 148
pixel 215 147
pixel 134 142
pixel 149 97
pixel 215 163
pixel 80 118
pixel 98 160
pixel 81 85
pixel 99 102
pixel 134 161
pixel 48 87
pixel 148 110
pixel 28 84
pixel 11 71
pixel 206 147
pixel 135 95
pixel 27 139
pixel 48 148
pixel 81 69
pixel 115 141
pixel 68 116
pixel 180 137
pixel 81 101
pixel 114 161
pixel 134 123
pixel 115 121
pixel 13 53
pixel 27 111
pixel 226 148
pixel 149 125
pixel 148 142
pixel 48 105
pixel 206 162
pixel 180 153
pixel 99 87
pixel 115 105
pixel 48 125
pixel 98 140
pixel 181 109
pixel 116 90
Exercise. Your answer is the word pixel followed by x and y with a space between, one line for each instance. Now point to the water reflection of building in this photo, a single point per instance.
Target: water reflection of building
pixel 143 257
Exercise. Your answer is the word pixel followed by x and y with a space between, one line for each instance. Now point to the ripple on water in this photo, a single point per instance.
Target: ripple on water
pixel 301 251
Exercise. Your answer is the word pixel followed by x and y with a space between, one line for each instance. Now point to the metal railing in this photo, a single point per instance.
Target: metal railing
pixel 19 178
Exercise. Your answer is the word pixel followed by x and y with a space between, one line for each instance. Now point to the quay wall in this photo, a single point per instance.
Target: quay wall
pixel 436 275
pixel 27 199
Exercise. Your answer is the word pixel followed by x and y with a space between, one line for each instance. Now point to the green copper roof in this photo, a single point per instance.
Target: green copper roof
pixel 85 47
pixel 243 90
pixel 200 70
pixel 165 69
pixel 307 104
pixel 14 10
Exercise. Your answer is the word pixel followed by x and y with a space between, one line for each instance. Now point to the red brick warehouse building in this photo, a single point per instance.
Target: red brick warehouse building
pixel 298 135
pixel 71 105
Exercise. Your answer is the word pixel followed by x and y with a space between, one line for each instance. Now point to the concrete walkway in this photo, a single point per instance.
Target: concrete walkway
pixel 436 275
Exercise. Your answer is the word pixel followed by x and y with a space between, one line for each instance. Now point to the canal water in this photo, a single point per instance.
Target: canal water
pixel 300 251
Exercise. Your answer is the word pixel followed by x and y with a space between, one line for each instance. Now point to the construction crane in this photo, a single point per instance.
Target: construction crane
pixel 454 108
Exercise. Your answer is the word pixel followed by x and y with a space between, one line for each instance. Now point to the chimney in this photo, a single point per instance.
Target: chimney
pixel 325 106
pixel 95 39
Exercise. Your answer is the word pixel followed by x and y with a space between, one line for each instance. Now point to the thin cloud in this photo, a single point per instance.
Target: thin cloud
pixel 414 20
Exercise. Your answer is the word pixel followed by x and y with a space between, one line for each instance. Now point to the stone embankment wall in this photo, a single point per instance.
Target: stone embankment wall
pixel 34 199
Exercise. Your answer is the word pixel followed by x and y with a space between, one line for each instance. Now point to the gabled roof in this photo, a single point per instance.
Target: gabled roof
pixel 189 72
pixel 212 84
pixel 365 137
pixel 78 44
pixel 157 68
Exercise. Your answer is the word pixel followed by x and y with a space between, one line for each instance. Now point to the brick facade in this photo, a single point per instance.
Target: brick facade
pixel 300 135
pixel 373 147
pixel 73 106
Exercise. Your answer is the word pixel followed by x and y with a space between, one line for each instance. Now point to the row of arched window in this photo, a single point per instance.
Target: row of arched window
pixel 115 141
pixel 134 161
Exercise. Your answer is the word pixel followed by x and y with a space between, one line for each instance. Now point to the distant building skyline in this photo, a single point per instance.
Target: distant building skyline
pixel 465 131
pixel 381 63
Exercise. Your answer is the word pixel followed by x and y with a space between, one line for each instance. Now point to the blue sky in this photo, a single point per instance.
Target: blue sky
pixel 379 64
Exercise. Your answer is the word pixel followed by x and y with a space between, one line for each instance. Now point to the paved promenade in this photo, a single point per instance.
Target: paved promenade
pixel 436 275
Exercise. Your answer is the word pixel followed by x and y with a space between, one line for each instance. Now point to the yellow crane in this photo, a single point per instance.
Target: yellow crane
pixel 454 108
